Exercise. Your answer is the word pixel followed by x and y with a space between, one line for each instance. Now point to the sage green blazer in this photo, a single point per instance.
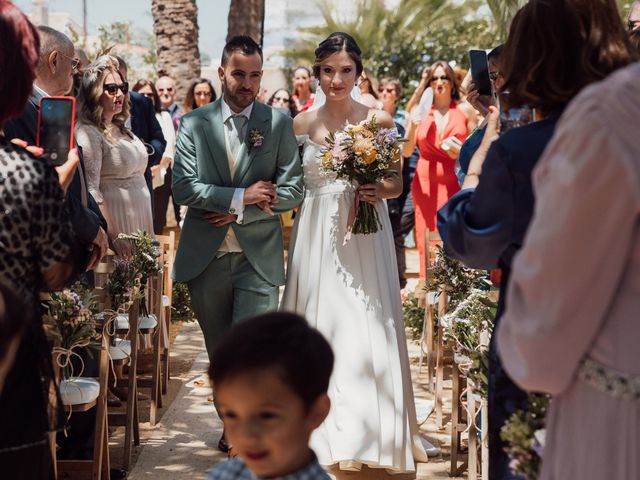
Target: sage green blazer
pixel 202 181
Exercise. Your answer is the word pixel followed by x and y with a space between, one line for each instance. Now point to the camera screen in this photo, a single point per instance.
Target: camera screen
pixel 55 129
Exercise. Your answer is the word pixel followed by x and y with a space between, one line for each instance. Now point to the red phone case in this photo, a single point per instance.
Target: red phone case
pixel 73 118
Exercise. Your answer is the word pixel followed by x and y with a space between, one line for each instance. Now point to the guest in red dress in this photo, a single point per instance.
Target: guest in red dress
pixel 437 137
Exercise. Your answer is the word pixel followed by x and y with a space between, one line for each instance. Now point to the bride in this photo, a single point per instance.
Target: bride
pixel 349 290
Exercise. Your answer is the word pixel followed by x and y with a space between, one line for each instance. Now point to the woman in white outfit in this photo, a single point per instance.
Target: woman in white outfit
pixel 349 291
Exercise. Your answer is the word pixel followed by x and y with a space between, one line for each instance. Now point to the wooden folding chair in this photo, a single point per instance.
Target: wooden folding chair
pixel 130 419
pixel 155 308
pixel 168 247
pixel 99 466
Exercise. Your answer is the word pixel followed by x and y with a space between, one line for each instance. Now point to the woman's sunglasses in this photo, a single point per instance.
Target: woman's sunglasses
pixel 112 88
pixel 444 78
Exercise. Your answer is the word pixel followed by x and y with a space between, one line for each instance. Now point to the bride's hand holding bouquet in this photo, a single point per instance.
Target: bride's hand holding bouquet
pixel 365 154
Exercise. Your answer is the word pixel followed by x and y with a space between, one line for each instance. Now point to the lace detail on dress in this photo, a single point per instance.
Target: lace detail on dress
pixel 316 181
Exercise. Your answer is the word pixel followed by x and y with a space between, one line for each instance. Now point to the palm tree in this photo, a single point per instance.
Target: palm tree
pixel 246 17
pixel 175 23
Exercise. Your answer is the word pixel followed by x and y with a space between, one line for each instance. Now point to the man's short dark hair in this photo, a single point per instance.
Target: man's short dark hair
pixel 282 342
pixel 240 43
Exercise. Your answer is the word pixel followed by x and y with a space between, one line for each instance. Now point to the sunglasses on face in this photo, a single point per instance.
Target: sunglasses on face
pixel 387 89
pixel 444 78
pixel 168 90
pixel 112 88
pixel 281 99
pixel 75 63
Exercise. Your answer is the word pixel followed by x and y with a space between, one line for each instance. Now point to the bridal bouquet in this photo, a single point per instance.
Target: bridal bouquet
pixel 363 154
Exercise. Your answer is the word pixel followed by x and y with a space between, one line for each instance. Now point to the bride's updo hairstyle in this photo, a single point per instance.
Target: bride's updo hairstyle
pixel 334 43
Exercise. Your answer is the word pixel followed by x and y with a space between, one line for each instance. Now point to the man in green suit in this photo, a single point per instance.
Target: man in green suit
pixel 236 166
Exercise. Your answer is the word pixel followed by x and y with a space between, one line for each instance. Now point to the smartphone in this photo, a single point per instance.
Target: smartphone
pixel 513 117
pixel 480 71
pixel 56 121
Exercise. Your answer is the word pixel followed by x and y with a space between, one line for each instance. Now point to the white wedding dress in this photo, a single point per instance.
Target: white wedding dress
pixel 351 294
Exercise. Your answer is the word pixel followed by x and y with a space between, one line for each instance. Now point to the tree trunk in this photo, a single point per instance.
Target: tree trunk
pixel 175 23
pixel 246 17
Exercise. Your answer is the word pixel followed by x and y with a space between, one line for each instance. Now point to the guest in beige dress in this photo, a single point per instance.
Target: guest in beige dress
pixel 115 162
pixel 572 324
pixel 115 158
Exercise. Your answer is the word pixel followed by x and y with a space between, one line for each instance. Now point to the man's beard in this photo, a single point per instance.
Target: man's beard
pixel 237 99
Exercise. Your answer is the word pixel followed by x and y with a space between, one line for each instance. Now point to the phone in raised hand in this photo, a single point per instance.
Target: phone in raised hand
pixel 56 121
pixel 480 71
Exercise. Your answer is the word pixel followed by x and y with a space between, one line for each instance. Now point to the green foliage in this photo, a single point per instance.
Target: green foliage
pixel 524 434
pixel 413 316
pixel 454 278
pixel 181 304
pixel 472 316
pixel 123 285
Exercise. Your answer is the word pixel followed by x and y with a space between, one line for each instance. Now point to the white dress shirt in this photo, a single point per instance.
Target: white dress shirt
pixel 230 243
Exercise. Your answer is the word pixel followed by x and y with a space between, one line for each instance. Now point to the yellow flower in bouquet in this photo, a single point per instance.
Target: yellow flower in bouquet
pixel 326 159
pixel 369 156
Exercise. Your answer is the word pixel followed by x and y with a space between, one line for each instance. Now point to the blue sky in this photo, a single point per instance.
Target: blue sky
pixel 212 17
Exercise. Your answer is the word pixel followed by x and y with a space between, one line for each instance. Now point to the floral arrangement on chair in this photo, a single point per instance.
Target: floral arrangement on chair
pixel 70 319
pixel 524 434
pixel 362 153
pixel 123 285
pixel 146 250
pixel 451 275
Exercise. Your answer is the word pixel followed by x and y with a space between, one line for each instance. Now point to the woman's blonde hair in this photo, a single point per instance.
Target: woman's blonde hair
pixel 91 89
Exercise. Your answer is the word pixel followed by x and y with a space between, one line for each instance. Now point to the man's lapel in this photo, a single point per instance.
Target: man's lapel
pixel 213 131
pixel 260 124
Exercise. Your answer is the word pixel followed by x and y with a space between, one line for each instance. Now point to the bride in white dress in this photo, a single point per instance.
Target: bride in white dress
pixel 349 291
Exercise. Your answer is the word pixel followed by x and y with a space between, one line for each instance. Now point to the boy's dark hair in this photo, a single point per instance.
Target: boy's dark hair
pixel 280 341
pixel 240 43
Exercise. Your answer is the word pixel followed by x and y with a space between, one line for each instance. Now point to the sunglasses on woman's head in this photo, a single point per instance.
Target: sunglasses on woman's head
pixel 444 78
pixel 112 88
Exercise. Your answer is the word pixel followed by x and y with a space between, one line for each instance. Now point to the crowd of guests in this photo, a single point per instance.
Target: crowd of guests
pixel 553 204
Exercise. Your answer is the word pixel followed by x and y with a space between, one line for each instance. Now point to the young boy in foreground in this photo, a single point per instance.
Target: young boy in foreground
pixel 270 376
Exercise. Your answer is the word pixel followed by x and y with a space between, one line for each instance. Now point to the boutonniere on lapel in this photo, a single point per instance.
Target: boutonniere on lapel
pixel 256 138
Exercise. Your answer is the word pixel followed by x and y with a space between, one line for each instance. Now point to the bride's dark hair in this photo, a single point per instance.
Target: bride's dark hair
pixel 334 43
